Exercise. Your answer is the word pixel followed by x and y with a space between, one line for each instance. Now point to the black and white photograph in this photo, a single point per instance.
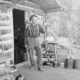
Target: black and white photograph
pixel 39 39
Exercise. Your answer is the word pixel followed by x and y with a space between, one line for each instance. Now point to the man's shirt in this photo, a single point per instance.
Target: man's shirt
pixel 34 30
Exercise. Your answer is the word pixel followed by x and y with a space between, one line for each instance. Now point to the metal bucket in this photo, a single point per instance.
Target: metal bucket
pixel 69 63
pixel 77 64
pixel 62 65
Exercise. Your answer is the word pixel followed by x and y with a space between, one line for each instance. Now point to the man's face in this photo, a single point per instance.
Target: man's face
pixel 34 20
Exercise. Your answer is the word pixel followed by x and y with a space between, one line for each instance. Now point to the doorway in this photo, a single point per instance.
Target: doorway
pixel 19 28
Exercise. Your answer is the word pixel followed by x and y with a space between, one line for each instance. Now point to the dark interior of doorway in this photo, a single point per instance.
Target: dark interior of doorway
pixel 19 28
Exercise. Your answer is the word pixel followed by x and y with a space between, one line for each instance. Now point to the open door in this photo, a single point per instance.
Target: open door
pixel 19 28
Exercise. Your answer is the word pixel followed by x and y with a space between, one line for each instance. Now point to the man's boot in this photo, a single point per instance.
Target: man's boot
pixel 40 69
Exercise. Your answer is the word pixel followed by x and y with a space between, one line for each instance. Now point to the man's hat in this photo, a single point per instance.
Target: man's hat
pixel 31 17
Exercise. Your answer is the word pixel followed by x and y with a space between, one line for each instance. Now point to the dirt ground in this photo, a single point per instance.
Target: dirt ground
pixel 49 73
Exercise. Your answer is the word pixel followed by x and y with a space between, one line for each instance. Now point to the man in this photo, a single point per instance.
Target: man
pixel 33 31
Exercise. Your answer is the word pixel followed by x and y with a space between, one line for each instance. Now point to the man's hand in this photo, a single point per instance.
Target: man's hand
pixel 26 46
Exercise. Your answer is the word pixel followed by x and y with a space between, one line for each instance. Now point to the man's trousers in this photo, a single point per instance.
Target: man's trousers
pixel 34 44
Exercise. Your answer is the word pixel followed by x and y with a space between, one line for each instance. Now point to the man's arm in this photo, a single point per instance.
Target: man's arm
pixel 41 29
pixel 27 31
